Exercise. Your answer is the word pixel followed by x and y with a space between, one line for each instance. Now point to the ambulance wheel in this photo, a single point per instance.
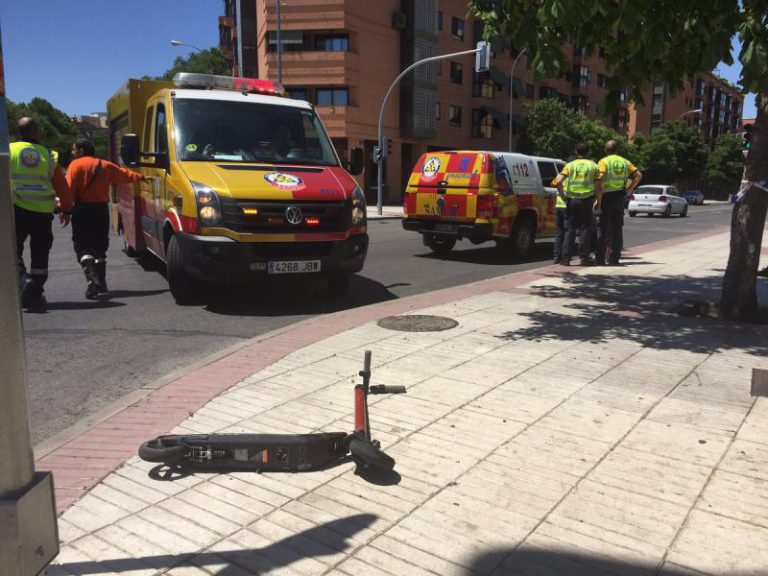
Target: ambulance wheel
pixel 521 239
pixel 338 283
pixel 440 245
pixel 184 289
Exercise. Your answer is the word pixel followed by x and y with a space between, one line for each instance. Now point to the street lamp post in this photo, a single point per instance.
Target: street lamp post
pixel 180 43
pixel 279 47
pixel 696 111
pixel 511 91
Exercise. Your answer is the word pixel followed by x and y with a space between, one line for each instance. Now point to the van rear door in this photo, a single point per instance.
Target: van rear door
pixel 444 185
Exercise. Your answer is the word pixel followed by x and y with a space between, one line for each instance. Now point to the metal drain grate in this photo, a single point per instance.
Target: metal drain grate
pixel 418 323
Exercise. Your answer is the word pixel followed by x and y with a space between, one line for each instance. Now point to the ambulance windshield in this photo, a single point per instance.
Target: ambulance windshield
pixel 227 131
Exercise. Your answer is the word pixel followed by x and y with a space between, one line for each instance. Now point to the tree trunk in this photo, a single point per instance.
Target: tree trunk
pixel 739 297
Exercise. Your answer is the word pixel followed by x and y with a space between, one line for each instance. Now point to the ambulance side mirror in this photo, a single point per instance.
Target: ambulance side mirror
pixel 129 149
pixel 356 161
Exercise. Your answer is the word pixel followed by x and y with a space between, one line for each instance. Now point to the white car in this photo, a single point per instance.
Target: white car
pixel 657 199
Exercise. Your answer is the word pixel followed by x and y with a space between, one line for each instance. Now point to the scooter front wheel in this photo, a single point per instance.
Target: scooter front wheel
pixel 371 454
pixel 163 450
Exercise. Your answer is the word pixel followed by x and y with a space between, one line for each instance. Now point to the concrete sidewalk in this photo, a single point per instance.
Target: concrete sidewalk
pixel 571 424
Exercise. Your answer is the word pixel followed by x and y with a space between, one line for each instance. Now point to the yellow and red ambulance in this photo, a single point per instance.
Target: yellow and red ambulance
pixel 242 183
pixel 481 196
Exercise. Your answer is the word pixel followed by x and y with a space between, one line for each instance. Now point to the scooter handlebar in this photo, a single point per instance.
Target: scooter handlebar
pixel 381 389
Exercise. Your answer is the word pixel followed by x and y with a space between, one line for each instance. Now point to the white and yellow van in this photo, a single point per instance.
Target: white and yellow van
pixel 481 196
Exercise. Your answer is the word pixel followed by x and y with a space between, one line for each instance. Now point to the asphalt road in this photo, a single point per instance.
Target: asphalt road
pixel 82 355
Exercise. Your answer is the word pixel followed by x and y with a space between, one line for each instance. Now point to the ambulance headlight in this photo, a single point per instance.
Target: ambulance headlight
pixel 358 207
pixel 208 206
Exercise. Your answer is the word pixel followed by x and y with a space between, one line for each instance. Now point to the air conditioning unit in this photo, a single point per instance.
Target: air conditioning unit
pixel 399 20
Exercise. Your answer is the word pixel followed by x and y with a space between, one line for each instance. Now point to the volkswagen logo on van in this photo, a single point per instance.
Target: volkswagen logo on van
pixel 293 215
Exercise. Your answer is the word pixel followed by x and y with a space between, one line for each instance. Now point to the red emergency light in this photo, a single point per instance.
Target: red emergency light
pixel 312 221
pixel 211 81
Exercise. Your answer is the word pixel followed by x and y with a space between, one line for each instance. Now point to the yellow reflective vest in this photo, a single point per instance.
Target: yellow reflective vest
pixel 32 167
pixel 616 170
pixel 581 178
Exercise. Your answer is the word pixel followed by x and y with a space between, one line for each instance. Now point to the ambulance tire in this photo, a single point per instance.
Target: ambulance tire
pixel 185 290
pixel 130 251
pixel 439 244
pixel 522 238
pixel 338 283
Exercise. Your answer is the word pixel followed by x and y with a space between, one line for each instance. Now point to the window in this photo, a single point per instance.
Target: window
pixel 582 76
pixel 439 21
pixel 454 115
pixel 547 92
pixel 298 93
pixel 437 111
pixel 482 124
pixel 332 43
pixel 530 91
pixel 332 97
pixel 700 87
pixel 457 73
pixel 483 85
pixel 457 28
pixel 148 127
pixel 601 52
pixel 161 129
pixel 290 40
pixel 548 172
pixel 602 80
pixel 580 104
pixel 623 95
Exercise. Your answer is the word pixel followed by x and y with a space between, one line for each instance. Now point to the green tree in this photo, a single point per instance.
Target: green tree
pixel 690 150
pixel 553 129
pixel 211 61
pixel 726 162
pixel 59 132
pixel 656 158
pixel 665 41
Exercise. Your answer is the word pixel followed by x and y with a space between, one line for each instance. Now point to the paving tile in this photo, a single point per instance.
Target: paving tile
pixel 714 544
pixel 736 496
pixel 722 418
pixel 755 427
pixel 590 420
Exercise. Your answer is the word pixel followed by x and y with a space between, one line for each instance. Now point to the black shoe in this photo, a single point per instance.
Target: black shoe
pixel 38 305
pixel 102 287
pixel 92 290
pixel 587 262
pixel 556 260
pixel 565 262
pixel 599 262
pixel 613 263
pixel 763 273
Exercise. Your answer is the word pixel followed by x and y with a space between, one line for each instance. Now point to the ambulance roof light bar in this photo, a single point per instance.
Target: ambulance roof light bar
pixel 211 81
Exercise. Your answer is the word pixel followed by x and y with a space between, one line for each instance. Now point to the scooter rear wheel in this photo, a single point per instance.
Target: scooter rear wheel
pixel 371 454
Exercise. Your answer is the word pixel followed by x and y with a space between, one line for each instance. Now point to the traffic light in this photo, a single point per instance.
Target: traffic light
pixel 376 155
pixel 387 147
pixel 746 138
pixel 483 57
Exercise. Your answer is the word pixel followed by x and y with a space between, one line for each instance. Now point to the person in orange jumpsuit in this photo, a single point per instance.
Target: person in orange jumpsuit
pixel 89 179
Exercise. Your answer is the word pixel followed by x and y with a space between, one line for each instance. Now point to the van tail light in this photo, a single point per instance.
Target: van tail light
pixel 662 198
pixel 486 206
pixel 409 203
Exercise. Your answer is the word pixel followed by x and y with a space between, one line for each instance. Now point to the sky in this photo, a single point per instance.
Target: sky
pixel 76 54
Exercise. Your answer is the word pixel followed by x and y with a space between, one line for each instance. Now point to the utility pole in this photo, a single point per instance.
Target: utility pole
pixel 511 92
pixel 483 51
pixel 29 537
pixel 239 25
pixel 279 47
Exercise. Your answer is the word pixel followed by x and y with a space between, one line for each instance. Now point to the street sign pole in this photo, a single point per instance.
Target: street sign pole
pixel 481 65
pixel 28 532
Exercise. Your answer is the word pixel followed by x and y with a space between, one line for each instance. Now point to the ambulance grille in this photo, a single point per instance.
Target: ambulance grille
pixel 272 216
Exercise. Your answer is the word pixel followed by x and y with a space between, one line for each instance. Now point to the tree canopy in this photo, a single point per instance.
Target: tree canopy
pixel 211 61
pixel 59 132
pixel 726 162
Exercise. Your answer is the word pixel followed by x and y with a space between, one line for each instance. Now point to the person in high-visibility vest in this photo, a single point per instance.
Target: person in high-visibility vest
pixel 614 171
pixel 560 213
pixel 36 181
pixel 582 197
pixel 89 179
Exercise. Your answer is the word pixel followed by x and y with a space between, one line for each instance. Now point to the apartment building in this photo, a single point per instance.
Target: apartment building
pixel 707 102
pixel 239 49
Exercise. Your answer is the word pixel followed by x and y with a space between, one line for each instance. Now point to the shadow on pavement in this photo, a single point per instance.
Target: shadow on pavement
pixel 489 254
pixel 132 293
pixel 84 305
pixel 541 562
pixel 325 540
pixel 291 297
pixel 636 308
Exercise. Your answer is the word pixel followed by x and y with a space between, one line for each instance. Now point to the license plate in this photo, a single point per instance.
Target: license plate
pixel 294 267
pixel 445 228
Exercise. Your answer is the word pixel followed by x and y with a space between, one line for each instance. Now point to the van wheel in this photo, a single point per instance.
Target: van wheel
pixel 184 289
pixel 632 213
pixel 440 245
pixel 129 250
pixel 522 237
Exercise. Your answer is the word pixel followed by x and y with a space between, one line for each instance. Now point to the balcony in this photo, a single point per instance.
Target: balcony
pixel 314 68
pixel 326 15
pixel 226 22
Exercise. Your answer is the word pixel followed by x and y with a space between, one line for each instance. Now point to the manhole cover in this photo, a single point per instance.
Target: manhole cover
pixel 418 323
